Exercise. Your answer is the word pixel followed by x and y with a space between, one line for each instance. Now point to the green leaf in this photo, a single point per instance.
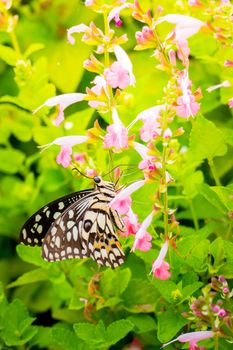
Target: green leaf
pixel 211 196
pixel 225 196
pixel 16 325
pixel 31 255
pixel 217 250
pixel 118 330
pixel 142 323
pixel 33 48
pixel 64 337
pixel 33 276
pixel 11 160
pixel 169 323
pixel 8 55
pixel 198 256
pixel 91 334
pixel 142 298
pixel 206 140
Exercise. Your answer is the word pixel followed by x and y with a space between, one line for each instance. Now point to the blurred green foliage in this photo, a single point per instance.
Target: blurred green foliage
pixel 74 304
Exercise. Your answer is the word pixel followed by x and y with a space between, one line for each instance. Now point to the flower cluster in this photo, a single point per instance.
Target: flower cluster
pixel 211 307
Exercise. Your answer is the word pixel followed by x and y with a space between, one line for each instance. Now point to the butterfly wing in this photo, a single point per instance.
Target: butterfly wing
pixel 84 230
pixel 37 226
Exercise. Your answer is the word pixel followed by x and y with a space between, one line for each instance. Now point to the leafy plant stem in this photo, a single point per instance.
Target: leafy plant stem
pixel 214 172
pixel 106 55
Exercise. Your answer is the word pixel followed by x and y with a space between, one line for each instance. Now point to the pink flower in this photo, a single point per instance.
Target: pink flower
pixel 125 62
pixel 115 12
pixel 64 157
pixel 91 172
pixel 194 3
pixel 228 63
pixel 186 26
pixel 150 118
pixel 192 338
pixel 63 101
pixel 225 83
pixel 99 89
pixel 80 28
pixel 147 162
pixel 144 243
pixel 222 313
pixel 117 76
pixel 142 237
pixel 230 103
pixel 117 133
pixel 79 157
pixel 66 143
pixel 160 267
pixel 145 38
pixel 122 205
pixel 124 194
pixel 131 223
pixel 183 51
pixel 187 106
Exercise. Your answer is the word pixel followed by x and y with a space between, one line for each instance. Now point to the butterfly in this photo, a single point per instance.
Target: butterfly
pixel 79 225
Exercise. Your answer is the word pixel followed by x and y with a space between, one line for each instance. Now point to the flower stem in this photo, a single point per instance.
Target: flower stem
pixel 106 32
pixel 214 172
pixel 15 42
pixel 216 342
pixel 165 195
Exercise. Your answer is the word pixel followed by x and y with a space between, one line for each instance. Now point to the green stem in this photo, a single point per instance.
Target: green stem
pixel 165 195
pixel 15 43
pixel 106 32
pixel 214 172
pixel 196 224
pixel 216 343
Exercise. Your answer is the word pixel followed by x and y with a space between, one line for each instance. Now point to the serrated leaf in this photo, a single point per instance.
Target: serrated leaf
pixel 63 336
pixel 142 323
pixel 91 334
pixel 16 325
pixel 118 330
pixel 217 250
pixel 206 140
pixel 169 323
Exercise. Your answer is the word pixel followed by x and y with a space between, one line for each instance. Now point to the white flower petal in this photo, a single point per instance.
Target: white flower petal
pixel 80 28
pixel 151 112
pixel 141 232
pixel 64 100
pixel 141 149
pixel 66 141
pixel 225 83
pixel 125 62
pixel 116 10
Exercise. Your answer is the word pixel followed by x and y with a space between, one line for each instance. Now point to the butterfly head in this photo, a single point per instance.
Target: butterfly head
pixel 101 185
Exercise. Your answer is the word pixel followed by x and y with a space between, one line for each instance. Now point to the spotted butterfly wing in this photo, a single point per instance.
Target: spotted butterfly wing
pixel 86 229
pixel 36 227
pixel 84 226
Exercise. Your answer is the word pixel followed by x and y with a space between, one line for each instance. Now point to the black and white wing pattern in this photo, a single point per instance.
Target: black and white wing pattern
pixel 85 229
pixel 37 226
pixel 79 225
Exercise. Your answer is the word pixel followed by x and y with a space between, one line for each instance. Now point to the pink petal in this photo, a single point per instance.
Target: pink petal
pixel 66 141
pixel 225 83
pixel 64 157
pixel 186 26
pixel 153 112
pixel 144 243
pixel 80 28
pixel 125 62
pixel 142 230
pixel 63 101
pixel 116 11
pixel 162 254
pixel 128 190
pixel 192 337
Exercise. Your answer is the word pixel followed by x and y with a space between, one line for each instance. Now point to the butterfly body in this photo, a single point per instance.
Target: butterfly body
pixel 84 226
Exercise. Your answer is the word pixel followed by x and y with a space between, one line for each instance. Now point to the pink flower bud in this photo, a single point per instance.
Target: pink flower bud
pixel 225 290
pixel 222 313
pixel 172 57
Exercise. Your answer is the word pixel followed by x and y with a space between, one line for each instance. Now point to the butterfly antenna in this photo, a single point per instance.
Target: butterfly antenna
pixel 118 166
pixel 88 177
